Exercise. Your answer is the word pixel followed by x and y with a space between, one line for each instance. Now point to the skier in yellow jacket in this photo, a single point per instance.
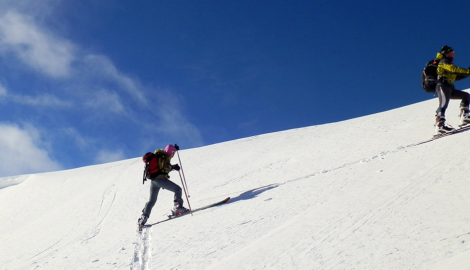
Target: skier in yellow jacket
pixel 447 74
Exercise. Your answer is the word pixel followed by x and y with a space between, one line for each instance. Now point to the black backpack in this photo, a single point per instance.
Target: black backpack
pixel 429 76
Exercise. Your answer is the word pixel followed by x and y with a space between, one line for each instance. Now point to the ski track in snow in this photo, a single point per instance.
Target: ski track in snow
pixel 142 250
pixel 382 154
pixel 325 171
pixel 107 202
pixel 255 191
pixel 44 250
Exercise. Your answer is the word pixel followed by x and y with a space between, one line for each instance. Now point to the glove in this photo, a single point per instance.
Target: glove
pixel 177 147
pixel 175 167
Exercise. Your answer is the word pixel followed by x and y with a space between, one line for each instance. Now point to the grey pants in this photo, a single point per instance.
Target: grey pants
pixel 155 186
pixel 447 92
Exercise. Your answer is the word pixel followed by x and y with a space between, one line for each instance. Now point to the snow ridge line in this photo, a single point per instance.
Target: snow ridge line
pixel 142 251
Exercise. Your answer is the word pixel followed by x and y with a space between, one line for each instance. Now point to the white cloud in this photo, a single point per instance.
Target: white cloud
pixel 76 137
pixel 173 122
pixel 45 100
pixel 21 152
pixel 34 46
pixel 42 100
pixel 3 90
pixel 101 65
pixel 108 100
pixel 57 57
pixel 105 156
pixel 81 74
pixel 42 8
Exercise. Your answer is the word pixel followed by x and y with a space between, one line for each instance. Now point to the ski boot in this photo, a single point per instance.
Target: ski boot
pixel 464 116
pixel 179 210
pixel 142 220
pixel 441 127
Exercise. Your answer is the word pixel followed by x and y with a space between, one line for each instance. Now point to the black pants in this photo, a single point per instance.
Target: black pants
pixel 446 92
pixel 155 186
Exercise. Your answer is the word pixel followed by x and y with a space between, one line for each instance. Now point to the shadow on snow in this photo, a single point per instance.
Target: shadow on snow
pixel 250 194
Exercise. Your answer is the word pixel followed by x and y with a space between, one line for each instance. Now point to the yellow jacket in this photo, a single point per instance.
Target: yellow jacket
pixel 448 72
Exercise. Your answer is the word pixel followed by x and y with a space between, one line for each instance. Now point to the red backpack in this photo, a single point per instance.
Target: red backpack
pixel 151 163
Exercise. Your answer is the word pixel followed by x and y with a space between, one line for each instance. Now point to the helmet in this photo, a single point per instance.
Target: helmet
pixel 170 150
pixel 446 49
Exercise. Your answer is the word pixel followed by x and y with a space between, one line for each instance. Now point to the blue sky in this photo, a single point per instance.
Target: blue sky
pixel 87 82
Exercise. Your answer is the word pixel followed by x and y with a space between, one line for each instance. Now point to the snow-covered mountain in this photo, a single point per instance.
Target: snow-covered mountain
pixel 357 194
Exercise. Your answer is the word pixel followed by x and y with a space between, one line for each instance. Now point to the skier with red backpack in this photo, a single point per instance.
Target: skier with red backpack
pixel 157 167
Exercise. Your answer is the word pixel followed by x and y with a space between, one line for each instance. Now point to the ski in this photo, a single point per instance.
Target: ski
pixel 171 217
pixel 438 136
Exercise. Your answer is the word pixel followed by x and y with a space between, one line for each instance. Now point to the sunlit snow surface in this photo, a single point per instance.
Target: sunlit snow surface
pixel 357 194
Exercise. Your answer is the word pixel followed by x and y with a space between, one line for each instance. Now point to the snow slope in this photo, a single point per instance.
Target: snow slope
pixel 357 194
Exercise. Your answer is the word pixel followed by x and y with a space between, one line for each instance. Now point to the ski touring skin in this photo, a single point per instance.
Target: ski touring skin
pixel 170 217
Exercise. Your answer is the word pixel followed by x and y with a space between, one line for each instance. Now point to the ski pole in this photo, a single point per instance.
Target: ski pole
pixel 181 165
pixel 184 184
pixel 144 177
pixel 186 194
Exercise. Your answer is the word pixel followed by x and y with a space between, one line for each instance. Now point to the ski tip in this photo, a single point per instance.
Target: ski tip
pixel 226 200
